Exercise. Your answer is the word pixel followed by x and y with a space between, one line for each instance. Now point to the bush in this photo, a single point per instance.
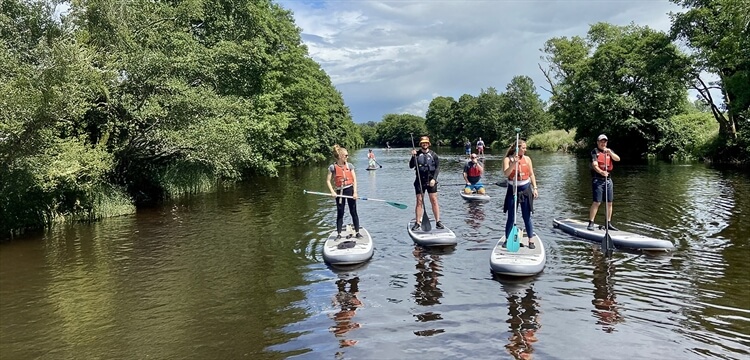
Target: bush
pixel 553 140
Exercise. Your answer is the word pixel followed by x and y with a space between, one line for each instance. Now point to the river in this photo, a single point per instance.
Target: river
pixel 238 273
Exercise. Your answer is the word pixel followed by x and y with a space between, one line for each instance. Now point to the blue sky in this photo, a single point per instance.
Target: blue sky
pixel 396 56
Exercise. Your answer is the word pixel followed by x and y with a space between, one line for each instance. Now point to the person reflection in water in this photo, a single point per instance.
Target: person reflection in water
pixel 349 302
pixel 426 290
pixel 605 304
pixel 524 323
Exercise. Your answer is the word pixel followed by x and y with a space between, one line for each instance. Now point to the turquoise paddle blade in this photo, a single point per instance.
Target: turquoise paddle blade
pixel 513 242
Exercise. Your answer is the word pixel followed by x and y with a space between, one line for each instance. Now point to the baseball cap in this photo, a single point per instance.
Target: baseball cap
pixel 602 137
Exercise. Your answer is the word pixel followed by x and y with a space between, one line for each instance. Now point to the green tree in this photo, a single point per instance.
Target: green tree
pixel 625 81
pixel 524 108
pixel 718 33
pixel 398 129
pixel 439 116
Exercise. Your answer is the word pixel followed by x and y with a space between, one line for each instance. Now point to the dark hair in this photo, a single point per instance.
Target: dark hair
pixel 512 148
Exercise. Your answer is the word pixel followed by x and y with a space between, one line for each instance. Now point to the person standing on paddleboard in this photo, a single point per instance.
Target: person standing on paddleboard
pixel 467 148
pixel 427 163
pixel 527 190
pixel 601 167
pixel 480 147
pixel 371 160
pixel 342 173
pixel 473 176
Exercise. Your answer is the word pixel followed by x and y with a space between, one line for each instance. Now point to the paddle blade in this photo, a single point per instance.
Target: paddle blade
pixel 398 205
pixel 513 242
pixel 608 246
pixel 426 226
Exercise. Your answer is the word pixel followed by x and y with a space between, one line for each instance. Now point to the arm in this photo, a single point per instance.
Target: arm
pixel 533 178
pixel 328 182
pixel 612 154
pixel 437 165
pixel 413 160
pixel 595 164
pixel 507 169
pixel 354 181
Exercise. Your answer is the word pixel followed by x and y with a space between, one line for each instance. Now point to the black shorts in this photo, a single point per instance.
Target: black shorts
pixel 424 187
pixel 597 190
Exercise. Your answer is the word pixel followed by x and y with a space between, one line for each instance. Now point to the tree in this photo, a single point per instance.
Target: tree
pixel 398 129
pixel 719 34
pixel 524 108
pixel 439 117
pixel 624 81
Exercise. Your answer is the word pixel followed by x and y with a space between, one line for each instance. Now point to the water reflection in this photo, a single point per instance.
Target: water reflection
pixel 426 290
pixel 476 214
pixel 347 299
pixel 605 304
pixel 523 320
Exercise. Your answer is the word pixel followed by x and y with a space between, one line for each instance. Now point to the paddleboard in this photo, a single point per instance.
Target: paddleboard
pixel 348 250
pixel 502 183
pixel 434 237
pixel 524 262
pixel 371 169
pixel 474 196
pixel 621 239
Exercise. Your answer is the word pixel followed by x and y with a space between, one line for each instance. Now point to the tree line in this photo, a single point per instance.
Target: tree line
pixel 630 82
pixel 117 103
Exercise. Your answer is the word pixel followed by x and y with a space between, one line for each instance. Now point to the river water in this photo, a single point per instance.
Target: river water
pixel 238 274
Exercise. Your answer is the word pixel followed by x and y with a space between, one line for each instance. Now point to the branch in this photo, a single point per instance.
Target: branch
pixel 553 91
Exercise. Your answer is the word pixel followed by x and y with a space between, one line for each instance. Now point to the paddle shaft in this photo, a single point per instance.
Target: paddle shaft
pixel 398 205
pixel 607 244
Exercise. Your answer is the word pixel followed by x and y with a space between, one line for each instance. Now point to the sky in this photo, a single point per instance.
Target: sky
pixel 395 56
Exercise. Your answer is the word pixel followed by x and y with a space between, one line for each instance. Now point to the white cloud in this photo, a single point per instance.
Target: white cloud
pixel 394 56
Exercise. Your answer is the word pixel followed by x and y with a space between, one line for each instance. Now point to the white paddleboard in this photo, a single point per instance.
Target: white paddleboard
pixel 348 250
pixel 434 237
pixel 524 262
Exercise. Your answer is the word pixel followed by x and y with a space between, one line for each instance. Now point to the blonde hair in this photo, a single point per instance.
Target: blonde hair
pixel 337 151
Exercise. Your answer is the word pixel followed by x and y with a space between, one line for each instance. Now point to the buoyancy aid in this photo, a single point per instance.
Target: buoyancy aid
pixel 343 176
pixel 474 171
pixel 426 162
pixel 524 172
pixel 604 161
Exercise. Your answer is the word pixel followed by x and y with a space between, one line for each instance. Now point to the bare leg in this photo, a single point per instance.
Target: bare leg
pixel 435 206
pixel 418 208
pixel 609 212
pixel 592 211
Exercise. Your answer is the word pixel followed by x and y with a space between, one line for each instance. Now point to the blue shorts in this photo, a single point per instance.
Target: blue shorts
pixel 597 187
pixel 475 187
pixel 468 151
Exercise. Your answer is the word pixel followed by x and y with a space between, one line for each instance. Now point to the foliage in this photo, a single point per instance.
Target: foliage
pixel 623 81
pixel 156 98
pixel 687 136
pixel 369 133
pixel 399 129
pixel 717 32
pixel 553 140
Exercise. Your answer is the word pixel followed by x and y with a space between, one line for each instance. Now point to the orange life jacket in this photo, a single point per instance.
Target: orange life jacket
pixel 343 176
pixel 524 173
pixel 604 161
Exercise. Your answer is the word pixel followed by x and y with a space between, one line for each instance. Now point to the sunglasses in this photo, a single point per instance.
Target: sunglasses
pixel 347 155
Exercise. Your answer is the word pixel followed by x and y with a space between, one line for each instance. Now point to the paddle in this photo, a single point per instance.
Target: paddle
pixel 394 204
pixel 608 245
pixel 426 226
pixel 381 166
pixel 513 243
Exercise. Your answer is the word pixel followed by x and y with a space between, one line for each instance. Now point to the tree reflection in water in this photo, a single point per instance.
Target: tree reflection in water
pixel 426 290
pixel 523 321
pixel 605 309
pixel 348 301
